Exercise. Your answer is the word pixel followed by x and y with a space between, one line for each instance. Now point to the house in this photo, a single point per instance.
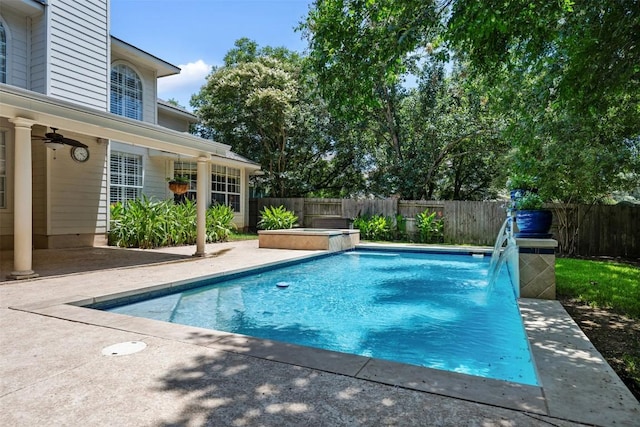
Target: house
pixel 61 72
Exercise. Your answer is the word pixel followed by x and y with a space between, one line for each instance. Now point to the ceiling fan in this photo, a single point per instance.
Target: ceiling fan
pixel 56 140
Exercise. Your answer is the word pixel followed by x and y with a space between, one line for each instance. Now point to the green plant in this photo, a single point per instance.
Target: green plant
pixel 529 201
pixel 400 231
pixel 376 227
pixel 146 223
pixel 520 181
pixel 180 179
pixel 219 223
pixel 276 218
pixel 430 226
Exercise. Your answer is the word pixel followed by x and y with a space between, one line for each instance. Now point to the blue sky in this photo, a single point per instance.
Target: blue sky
pixel 196 34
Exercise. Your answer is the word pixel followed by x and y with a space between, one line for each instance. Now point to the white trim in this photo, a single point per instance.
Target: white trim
pixel 132 53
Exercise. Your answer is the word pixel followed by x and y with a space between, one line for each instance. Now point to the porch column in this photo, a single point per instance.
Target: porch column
pixel 22 201
pixel 201 206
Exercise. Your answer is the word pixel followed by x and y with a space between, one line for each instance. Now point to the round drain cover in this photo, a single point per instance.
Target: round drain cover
pixel 124 348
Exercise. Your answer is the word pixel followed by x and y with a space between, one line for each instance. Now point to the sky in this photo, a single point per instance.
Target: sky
pixel 196 34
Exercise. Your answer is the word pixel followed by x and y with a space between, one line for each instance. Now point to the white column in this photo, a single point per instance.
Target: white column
pixel 22 201
pixel 201 205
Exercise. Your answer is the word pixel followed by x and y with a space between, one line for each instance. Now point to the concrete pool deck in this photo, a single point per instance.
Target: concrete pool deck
pixel 53 371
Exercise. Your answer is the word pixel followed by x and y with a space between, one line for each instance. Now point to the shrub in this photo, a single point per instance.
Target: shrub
pixel 146 223
pixel 376 227
pixel 430 226
pixel 530 201
pixel 219 223
pixel 276 218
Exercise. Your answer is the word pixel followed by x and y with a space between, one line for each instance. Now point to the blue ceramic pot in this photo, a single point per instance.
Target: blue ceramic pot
pixel 534 223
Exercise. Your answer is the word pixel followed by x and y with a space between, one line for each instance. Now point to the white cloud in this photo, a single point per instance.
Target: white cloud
pixel 180 87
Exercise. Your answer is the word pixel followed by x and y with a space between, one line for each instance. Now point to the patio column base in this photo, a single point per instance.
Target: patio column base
pixel 21 275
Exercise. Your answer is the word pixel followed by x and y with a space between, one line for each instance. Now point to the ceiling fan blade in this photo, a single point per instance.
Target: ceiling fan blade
pixel 72 142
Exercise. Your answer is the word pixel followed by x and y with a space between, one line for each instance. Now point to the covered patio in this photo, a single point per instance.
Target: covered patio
pixel 26 109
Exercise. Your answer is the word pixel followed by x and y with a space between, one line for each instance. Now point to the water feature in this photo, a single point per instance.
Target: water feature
pixel 502 254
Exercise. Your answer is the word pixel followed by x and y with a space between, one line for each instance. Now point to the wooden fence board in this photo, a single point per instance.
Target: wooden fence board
pixel 607 230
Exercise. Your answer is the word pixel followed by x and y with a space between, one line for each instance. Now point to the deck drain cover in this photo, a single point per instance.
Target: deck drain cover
pixel 124 348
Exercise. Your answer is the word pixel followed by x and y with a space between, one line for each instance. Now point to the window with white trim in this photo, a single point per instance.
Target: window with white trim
pixel 126 92
pixel 3 54
pixel 225 186
pixel 126 177
pixel 3 169
pixel 189 170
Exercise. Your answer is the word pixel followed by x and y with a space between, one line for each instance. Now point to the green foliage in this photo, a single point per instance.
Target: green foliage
pixel 587 67
pixel 180 179
pixel 375 227
pixel 600 284
pixel 146 223
pixel 262 104
pixel 521 181
pixel 430 226
pixel 632 367
pixel 276 218
pixel 219 223
pixel 529 201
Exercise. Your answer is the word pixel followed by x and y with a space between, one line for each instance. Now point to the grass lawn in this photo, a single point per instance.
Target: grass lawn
pixel 236 236
pixel 600 284
pixel 612 290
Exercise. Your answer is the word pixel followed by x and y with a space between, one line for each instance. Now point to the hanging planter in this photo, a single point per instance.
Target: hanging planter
pixel 179 185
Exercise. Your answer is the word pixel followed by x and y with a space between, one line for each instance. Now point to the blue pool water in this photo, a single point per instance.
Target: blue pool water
pixel 430 310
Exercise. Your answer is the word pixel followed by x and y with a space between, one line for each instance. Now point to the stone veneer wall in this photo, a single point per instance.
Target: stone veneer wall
pixel 537 265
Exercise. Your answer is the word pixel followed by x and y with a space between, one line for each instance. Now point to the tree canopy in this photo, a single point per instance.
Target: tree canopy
pixel 438 99
pixel 261 104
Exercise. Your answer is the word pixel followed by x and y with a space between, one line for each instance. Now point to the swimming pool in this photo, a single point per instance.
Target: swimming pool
pixel 430 310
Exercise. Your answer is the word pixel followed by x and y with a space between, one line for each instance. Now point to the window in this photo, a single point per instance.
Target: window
pixel 190 170
pixel 225 186
pixel 126 92
pixel 126 177
pixel 3 54
pixel 3 169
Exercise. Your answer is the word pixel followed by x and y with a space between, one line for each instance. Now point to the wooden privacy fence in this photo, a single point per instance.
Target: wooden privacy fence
pixel 607 230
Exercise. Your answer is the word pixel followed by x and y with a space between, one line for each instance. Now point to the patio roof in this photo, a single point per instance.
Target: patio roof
pixel 64 115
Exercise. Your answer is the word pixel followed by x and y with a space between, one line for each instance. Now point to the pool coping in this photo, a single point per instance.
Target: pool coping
pixel 564 357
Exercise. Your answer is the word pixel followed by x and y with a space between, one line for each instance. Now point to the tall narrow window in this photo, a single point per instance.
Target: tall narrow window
pixel 225 186
pixel 3 54
pixel 3 169
pixel 189 170
pixel 126 92
pixel 126 177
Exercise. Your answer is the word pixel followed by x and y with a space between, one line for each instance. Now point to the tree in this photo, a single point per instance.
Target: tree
pixel 260 103
pixel 360 51
pixel 589 52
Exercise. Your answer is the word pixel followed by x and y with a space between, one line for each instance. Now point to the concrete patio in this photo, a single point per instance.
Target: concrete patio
pixel 54 372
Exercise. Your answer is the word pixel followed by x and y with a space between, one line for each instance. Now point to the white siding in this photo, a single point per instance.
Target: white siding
pixel 39 54
pixel 78 191
pixel 39 165
pixel 172 121
pixel 78 51
pixel 6 214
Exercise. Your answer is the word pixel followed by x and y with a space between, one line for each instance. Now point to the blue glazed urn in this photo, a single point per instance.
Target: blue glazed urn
pixel 534 223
